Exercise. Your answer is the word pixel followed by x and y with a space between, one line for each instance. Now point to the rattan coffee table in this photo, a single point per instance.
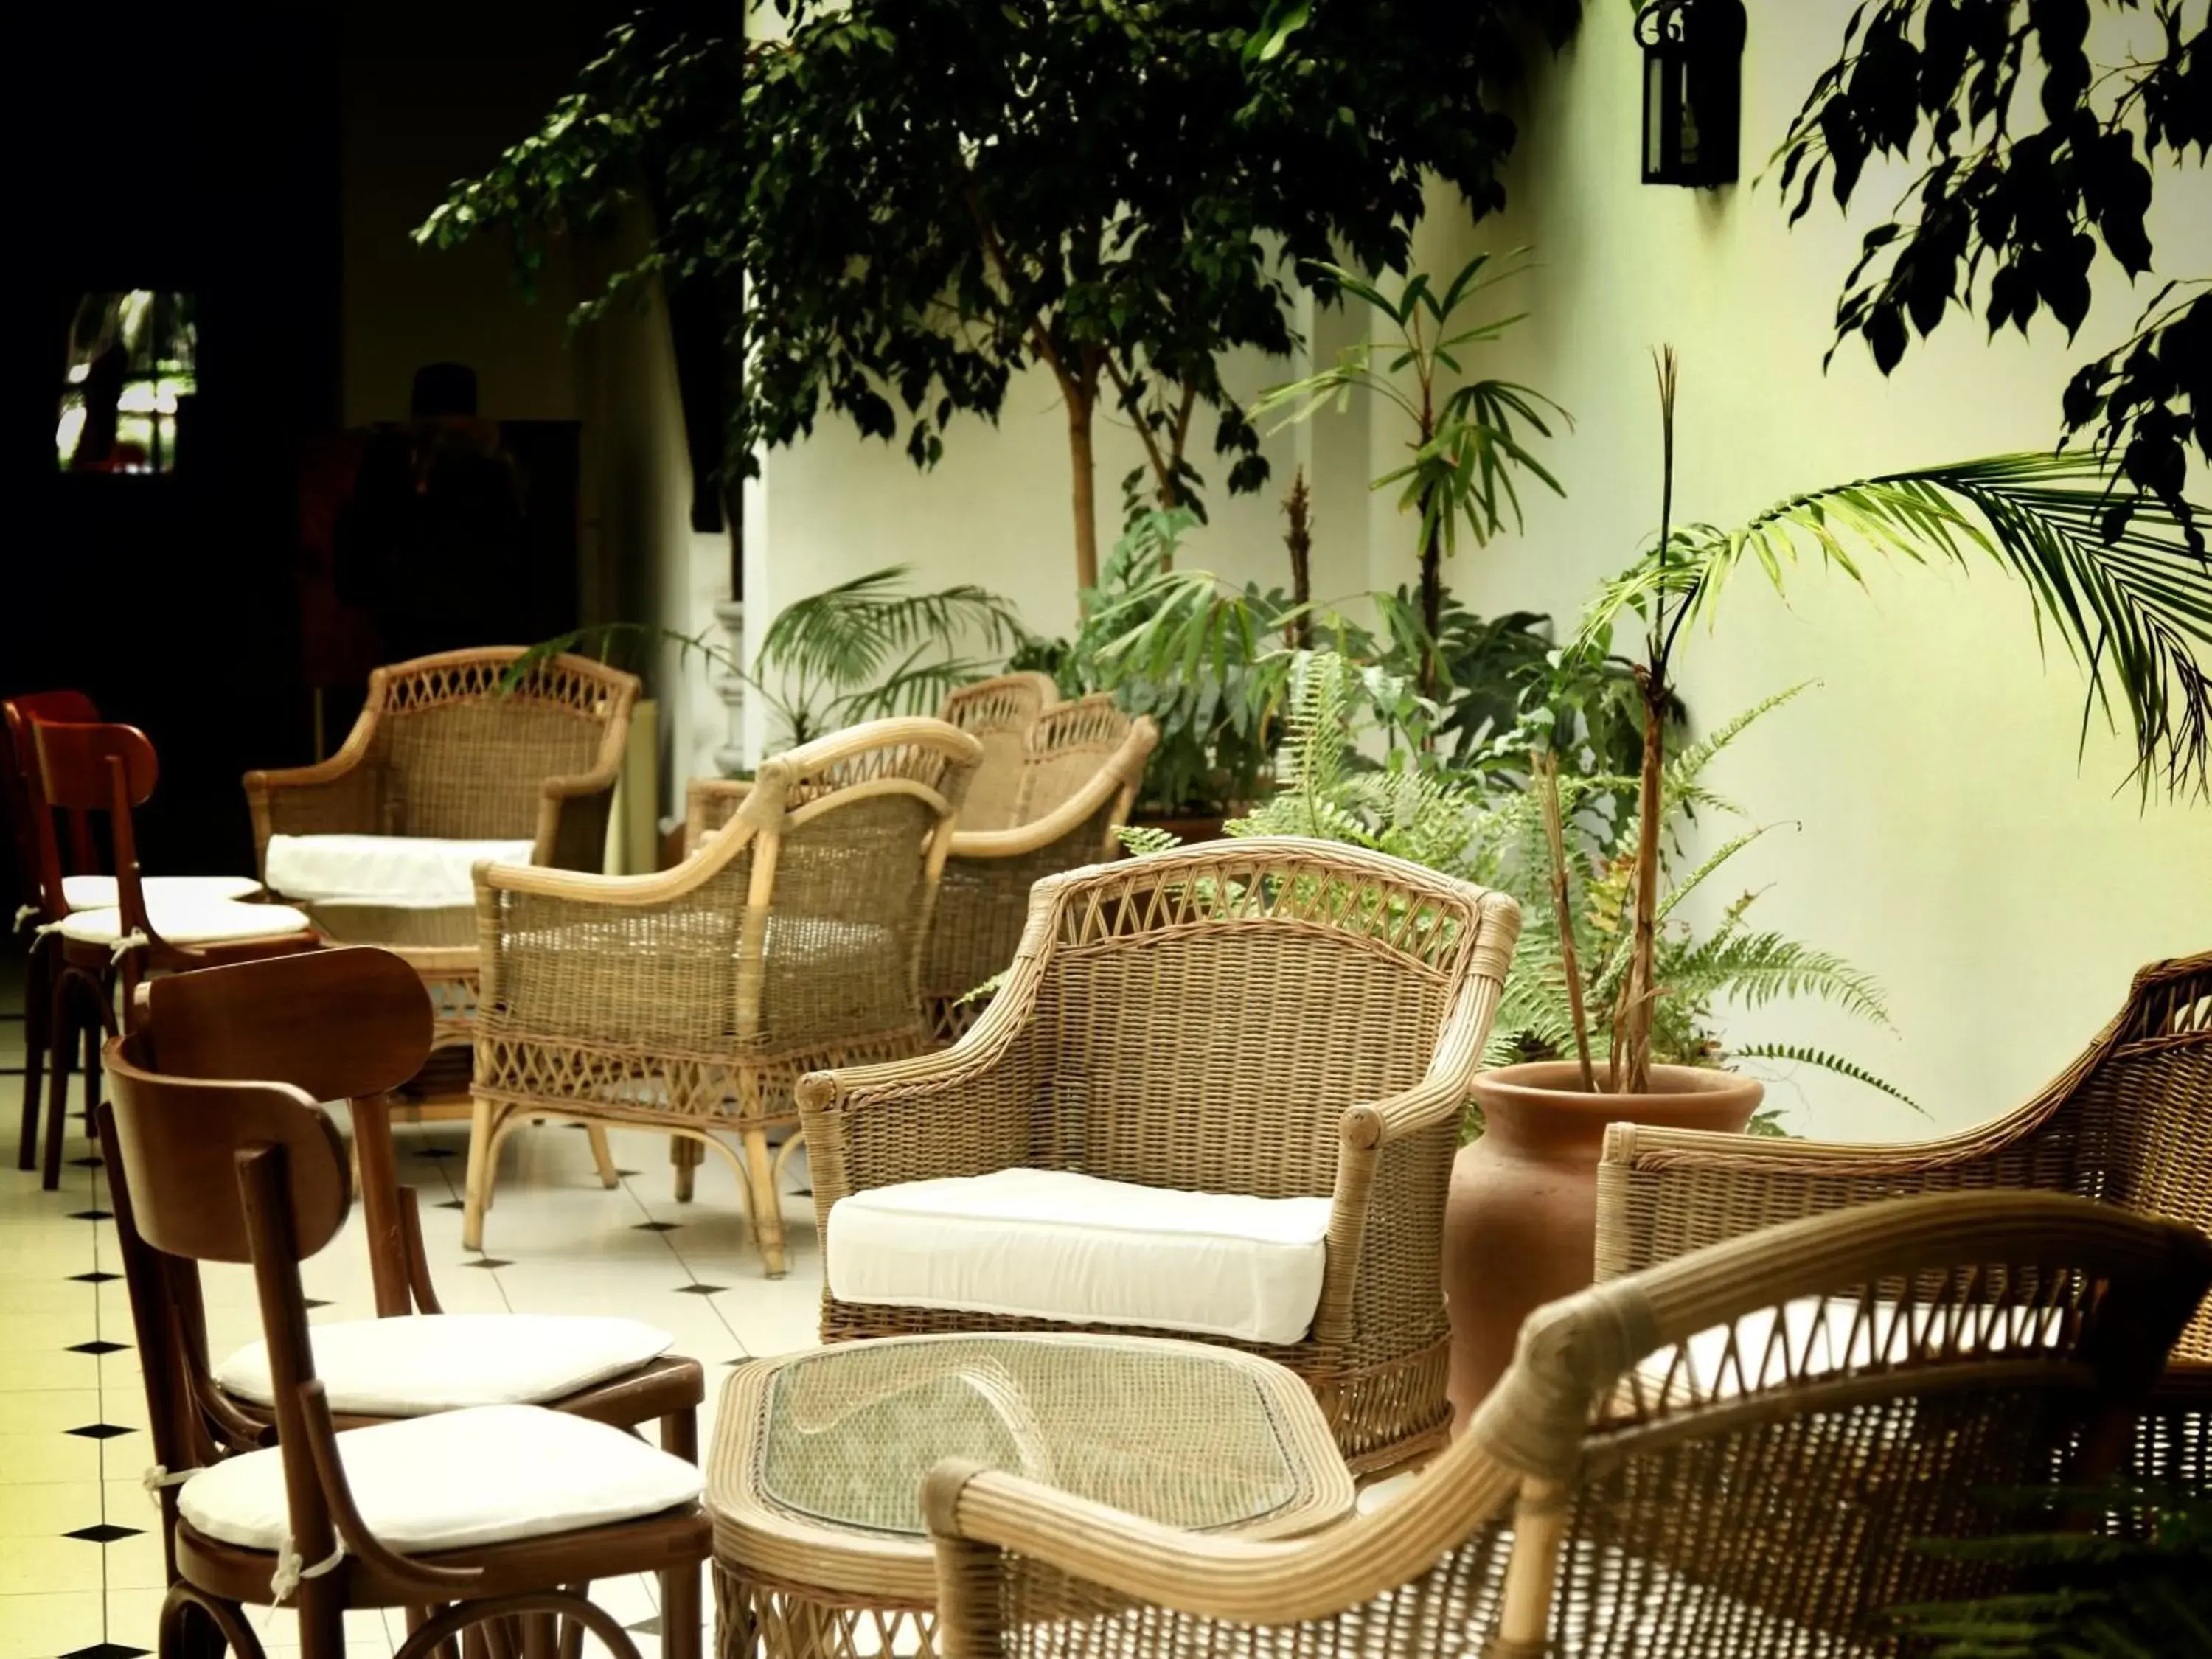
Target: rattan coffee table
pixel 815 1478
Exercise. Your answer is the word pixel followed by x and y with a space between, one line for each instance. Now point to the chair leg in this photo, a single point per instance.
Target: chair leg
pixel 602 1156
pixel 680 1604
pixel 37 1015
pixel 686 1154
pixel 94 1074
pixel 64 1047
pixel 767 1212
pixel 477 1189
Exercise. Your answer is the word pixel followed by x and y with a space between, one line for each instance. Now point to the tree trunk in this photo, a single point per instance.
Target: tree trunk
pixel 1432 604
pixel 1298 538
pixel 1632 1020
pixel 1085 469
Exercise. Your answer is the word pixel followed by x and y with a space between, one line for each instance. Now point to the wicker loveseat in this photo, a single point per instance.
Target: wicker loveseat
pixel 1660 1474
pixel 691 1001
pixel 1229 1079
pixel 1080 765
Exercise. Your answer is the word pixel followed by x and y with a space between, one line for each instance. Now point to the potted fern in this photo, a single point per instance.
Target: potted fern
pixel 2125 591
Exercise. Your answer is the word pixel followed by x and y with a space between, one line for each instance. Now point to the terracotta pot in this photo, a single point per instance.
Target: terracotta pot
pixel 1521 1223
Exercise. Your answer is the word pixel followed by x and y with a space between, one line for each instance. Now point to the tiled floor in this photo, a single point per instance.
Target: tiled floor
pixel 80 1562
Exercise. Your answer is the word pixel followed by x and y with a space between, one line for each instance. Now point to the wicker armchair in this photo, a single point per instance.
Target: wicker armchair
pixel 1268 1019
pixel 1660 1473
pixel 998 713
pixel 2129 1122
pixel 439 752
pixel 690 1001
pixel 1080 768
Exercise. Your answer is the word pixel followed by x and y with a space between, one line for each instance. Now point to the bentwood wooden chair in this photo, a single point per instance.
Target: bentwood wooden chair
pixel 352 1025
pixel 1081 765
pixel 998 713
pixel 1217 1096
pixel 496 1515
pixel 45 852
pixel 102 953
pixel 692 1001
pixel 1735 1453
pixel 2129 1123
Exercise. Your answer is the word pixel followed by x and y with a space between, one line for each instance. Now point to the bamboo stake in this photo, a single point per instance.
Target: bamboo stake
pixel 1546 765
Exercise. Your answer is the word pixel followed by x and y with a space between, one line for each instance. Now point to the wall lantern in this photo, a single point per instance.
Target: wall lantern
pixel 1693 89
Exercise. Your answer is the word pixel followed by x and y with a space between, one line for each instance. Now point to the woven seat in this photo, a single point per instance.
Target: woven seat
pixel 692 1001
pixel 1276 1019
pixel 1078 773
pixel 1653 1477
pixel 2129 1123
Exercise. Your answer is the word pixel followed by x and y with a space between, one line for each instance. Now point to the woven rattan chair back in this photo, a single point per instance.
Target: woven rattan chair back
pixel 457 756
pixel 999 714
pixel 1205 1015
pixel 2129 1122
pixel 1734 1453
pixel 1067 747
pixel 43 852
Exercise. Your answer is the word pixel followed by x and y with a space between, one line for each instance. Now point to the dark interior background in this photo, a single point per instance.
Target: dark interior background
pixel 265 158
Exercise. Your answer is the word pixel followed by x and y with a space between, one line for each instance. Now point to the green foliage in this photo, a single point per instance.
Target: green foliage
pixel 2134 609
pixel 862 650
pixel 1487 827
pixel 2140 1591
pixel 2020 214
pixel 1468 439
pixel 869 648
pixel 922 200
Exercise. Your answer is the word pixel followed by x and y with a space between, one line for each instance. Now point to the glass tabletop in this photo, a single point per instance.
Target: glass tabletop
pixel 1175 1433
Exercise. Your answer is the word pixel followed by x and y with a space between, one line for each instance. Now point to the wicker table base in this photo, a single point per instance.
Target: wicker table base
pixel 814 1485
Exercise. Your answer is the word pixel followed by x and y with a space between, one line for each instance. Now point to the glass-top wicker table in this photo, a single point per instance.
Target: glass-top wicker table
pixel 815 1478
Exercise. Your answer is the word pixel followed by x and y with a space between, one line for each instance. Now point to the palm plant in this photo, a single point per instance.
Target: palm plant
pixel 1465 446
pixel 863 649
pixel 2123 591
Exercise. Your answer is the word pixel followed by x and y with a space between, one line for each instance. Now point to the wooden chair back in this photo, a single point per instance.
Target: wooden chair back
pixel 999 714
pixel 1204 1017
pixel 45 852
pixel 85 767
pixel 348 1024
pixel 39 847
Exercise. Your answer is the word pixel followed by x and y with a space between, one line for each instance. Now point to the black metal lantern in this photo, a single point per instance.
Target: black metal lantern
pixel 1692 90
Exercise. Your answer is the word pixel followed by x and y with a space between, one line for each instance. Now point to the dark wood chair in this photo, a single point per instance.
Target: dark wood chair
pixel 490 1520
pixel 352 1025
pixel 84 769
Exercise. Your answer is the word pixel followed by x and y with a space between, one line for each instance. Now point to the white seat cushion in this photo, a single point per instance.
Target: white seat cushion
pixel 404 872
pixel 189 921
pixel 1049 1244
pixel 456 1480
pixel 97 892
pixel 411 1366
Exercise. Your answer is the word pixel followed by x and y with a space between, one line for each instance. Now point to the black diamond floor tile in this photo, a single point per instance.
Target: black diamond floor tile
pixel 699 1290
pixel 99 1347
pixel 92 1215
pixel 488 1261
pixel 645 1626
pixel 434 1151
pixel 100 1431
pixel 94 1278
pixel 84 1164
pixel 450 1204
pixel 105 1533
pixel 107 1650
pixel 656 1226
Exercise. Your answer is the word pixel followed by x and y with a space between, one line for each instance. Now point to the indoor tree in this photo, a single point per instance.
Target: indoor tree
pixel 2032 155
pixel 923 198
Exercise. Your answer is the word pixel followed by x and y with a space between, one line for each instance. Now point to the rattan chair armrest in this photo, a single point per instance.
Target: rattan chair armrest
pixel 1435 1099
pixel 599 779
pixel 1204 1576
pixel 701 799
pixel 263 780
pixel 585 887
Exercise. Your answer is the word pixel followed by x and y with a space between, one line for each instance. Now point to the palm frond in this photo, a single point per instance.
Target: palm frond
pixel 2109 572
pixel 845 636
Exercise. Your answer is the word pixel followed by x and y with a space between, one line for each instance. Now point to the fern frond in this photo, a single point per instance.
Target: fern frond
pixel 1800 1054
pixel 1143 838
